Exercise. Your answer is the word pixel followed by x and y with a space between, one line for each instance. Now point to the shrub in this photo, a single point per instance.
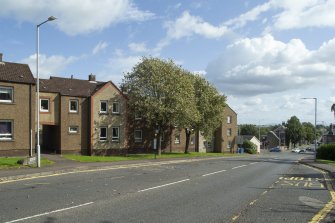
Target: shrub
pixel 326 152
pixel 249 147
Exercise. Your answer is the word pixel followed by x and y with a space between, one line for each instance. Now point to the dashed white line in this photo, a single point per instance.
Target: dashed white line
pixel 51 212
pixel 214 173
pixel 238 167
pixel 164 185
pixel 253 163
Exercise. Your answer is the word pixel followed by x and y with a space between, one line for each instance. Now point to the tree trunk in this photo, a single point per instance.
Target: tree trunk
pixel 188 135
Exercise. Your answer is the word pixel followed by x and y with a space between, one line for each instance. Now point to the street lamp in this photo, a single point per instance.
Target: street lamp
pixel 315 102
pixel 51 18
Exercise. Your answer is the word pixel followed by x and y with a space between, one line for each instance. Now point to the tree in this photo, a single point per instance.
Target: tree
pixel 308 131
pixel 162 93
pixel 210 105
pixel 249 147
pixel 294 130
pixel 332 109
pixel 248 129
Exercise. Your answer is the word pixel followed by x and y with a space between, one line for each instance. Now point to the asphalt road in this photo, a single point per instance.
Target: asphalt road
pixel 266 188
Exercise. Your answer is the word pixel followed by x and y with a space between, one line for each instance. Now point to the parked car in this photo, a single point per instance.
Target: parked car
pixel 275 149
pixel 296 150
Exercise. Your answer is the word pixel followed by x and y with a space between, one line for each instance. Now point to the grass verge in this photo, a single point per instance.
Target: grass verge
pixel 330 162
pixel 11 163
pixel 81 158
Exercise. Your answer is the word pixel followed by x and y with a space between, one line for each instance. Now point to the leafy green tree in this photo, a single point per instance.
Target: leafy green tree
pixel 294 130
pixel 308 130
pixel 249 147
pixel 332 109
pixel 162 93
pixel 249 129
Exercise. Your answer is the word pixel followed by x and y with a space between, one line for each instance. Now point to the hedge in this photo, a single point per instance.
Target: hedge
pixel 326 152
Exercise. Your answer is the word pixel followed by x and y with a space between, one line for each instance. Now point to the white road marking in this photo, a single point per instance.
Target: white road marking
pixel 253 163
pixel 164 185
pixel 238 167
pixel 214 173
pixel 51 212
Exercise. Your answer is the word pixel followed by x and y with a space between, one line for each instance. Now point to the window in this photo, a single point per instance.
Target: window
pixel 115 134
pixel 228 119
pixel 6 130
pixel 177 139
pixel 73 106
pixel 138 116
pixel 6 94
pixel 103 134
pixel 229 132
pixel 116 108
pixel 103 107
pixel 192 140
pixel 229 145
pixel 73 129
pixel 44 105
pixel 138 135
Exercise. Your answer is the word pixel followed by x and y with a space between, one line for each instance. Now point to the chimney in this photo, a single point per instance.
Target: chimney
pixel 1 57
pixel 91 77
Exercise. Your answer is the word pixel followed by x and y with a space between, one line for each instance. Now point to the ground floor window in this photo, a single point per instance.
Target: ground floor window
pixel 229 145
pixel 6 129
pixel 177 139
pixel 115 134
pixel 103 134
pixel 138 135
pixel 73 129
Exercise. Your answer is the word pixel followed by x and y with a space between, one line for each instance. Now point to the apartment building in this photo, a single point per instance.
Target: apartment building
pixel 17 109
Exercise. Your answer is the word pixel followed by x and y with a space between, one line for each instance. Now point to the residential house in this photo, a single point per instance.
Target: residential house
pixel 81 116
pixel 225 138
pixel 251 138
pixel 17 109
pixel 276 138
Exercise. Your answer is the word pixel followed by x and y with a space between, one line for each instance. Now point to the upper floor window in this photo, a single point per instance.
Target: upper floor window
pixel 116 108
pixel 115 133
pixel 6 94
pixel 228 119
pixel 73 106
pixel 6 130
pixel 229 132
pixel 103 107
pixel 138 116
pixel 138 135
pixel 44 105
pixel 103 134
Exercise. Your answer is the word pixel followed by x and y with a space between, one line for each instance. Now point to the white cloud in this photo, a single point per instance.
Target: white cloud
pixel 138 47
pixel 188 25
pixel 265 66
pixel 99 47
pixel 52 65
pixel 75 17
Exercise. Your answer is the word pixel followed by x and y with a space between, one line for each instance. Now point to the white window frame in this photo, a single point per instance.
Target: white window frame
pixel 117 111
pixel 229 132
pixel 229 119
pixel 138 139
pixel 3 88
pixel 104 138
pixel 102 102
pixel 44 99
pixel 177 139
pixel 115 138
pixel 229 145
pixel 138 116
pixel 192 139
pixel 7 136
pixel 71 131
pixel 77 105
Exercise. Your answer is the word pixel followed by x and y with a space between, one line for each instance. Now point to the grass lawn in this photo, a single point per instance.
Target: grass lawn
pixel 11 162
pixel 81 158
pixel 330 162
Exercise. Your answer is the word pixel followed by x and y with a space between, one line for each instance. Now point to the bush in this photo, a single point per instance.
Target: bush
pixel 326 152
pixel 249 147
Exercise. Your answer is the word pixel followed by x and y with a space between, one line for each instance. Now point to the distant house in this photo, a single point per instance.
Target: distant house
pixel 276 138
pixel 17 109
pixel 253 139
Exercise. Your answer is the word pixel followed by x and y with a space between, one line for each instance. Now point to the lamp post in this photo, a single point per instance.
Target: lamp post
pixel 38 149
pixel 315 112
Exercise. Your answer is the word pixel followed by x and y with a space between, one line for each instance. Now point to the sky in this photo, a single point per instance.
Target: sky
pixel 264 55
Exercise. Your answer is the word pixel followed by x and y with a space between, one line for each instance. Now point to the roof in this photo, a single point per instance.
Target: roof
pixel 231 108
pixel 241 138
pixel 16 73
pixel 70 86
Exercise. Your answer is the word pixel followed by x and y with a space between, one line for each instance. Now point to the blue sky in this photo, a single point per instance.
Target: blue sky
pixel 264 55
